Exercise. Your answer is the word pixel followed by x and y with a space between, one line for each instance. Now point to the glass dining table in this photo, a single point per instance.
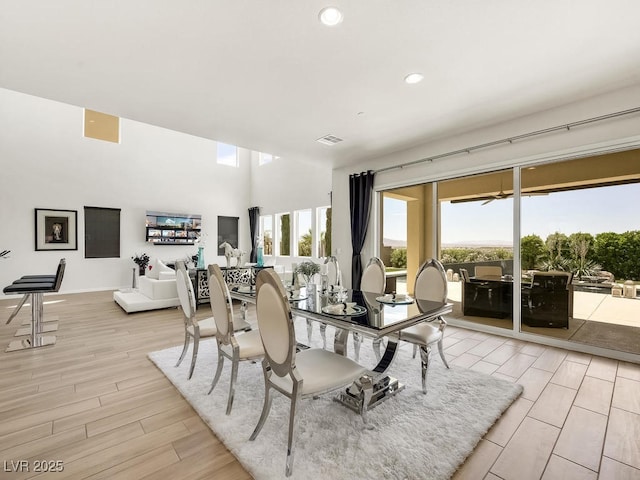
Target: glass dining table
pixel 369 314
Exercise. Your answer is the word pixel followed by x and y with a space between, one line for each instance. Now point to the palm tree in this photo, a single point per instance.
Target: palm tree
pixel 304 245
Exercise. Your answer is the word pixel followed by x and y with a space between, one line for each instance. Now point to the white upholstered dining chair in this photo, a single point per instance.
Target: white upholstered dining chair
pixel 334 279
pixel 431 284
pixel 295 375
pixel 193 329
pixel 236 348
pixel 374 280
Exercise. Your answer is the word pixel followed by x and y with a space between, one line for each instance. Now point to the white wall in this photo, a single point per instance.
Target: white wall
pixel 284 186
pixel 47 163
pixel 620 133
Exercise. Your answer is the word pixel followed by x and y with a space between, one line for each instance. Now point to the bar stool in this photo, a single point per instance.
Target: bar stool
pixel 34 286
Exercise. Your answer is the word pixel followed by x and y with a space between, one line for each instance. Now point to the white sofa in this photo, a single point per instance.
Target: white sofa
pixel 156 289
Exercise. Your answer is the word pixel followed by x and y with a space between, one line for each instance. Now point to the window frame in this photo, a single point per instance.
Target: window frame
pixel 262 230
pixel 297 234
pixel 219 160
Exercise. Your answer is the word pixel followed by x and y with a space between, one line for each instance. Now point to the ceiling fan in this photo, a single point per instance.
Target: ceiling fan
pixel 500 196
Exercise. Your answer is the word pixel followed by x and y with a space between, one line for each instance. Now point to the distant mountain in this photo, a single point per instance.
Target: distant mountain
pixel 390 242
pixel 479 243
pixel 394 243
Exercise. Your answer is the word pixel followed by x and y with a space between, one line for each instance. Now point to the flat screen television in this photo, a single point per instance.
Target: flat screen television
pixel 164 228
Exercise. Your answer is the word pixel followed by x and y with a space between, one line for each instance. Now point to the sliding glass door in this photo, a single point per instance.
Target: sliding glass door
pixel 580 250
pixel 476 246
pixel 579 247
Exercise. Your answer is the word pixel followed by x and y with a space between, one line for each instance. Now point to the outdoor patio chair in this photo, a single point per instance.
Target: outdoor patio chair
pixel 488 271
pixel 548 301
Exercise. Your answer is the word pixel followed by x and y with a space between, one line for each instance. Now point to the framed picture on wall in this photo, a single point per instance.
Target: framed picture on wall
pixel 56 229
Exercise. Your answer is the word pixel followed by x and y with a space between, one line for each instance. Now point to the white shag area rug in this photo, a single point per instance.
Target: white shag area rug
pixel 414 436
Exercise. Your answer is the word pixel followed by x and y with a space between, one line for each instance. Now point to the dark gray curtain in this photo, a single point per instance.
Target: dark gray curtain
pixel 360 192
pixel 254 218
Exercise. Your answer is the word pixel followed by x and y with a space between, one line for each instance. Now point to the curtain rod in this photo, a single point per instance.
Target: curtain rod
pixel 510 140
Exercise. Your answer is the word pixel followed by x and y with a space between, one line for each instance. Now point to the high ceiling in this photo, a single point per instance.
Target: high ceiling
pixel 268 76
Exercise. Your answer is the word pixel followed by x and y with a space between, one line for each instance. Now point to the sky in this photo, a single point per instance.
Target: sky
pixel 304 221
pixel 394 225
pixel 593 210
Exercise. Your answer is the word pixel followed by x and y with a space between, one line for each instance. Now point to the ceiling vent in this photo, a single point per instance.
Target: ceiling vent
pixel 329 140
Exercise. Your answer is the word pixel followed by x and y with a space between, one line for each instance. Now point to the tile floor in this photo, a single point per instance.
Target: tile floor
pixel 577 418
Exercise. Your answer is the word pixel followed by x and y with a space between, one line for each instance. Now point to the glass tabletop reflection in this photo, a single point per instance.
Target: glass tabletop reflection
pixel 374 318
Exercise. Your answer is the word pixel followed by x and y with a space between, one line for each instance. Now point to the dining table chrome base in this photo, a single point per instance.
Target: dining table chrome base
pixel 364 395
pixel 369 390
pixel 241 324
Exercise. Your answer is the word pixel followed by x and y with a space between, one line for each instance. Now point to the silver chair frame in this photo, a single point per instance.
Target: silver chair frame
pixel 225 333
pixel 374 262
pixel 323 327
pixel 425 349
pixel 189 314
pixel 285 367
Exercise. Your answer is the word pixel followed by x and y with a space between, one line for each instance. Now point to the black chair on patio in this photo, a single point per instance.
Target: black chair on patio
pixel 548 301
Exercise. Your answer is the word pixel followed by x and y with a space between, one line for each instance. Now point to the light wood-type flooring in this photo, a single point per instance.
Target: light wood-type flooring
pixel 96 405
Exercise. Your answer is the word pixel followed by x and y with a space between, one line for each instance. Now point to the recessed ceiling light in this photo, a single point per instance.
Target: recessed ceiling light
pixel 413 78
pixel 330 16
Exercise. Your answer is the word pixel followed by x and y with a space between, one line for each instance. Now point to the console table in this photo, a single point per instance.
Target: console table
pixel 232 275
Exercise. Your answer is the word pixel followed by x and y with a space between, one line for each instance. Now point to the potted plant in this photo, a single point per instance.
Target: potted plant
pixel 142 261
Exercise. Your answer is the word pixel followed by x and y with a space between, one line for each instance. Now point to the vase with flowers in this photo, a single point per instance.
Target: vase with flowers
pixel 142 261
pixel 308 270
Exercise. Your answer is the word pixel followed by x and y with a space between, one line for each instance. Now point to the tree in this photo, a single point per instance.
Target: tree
pixel 268 243
pixel 532 249
pixel 557 254
pixel 327 235
pixel 580 245
pixel 304 245
pixel 399 258
pixel 619 253
pixel 285 235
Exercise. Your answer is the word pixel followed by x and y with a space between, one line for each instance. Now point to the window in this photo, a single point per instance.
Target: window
pixel 303 233
pixel 580 218
pixel 101 232
pixel 227 232
pixel 476 237
pixel 266 233
pixel 394 231
pixel 227 155
pixel 324 231
pixel 264 158
pixel 283 224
